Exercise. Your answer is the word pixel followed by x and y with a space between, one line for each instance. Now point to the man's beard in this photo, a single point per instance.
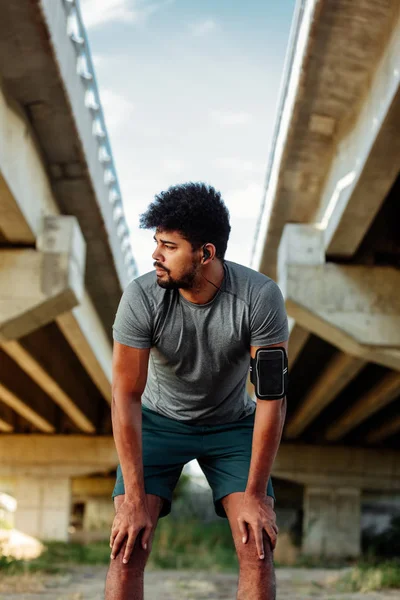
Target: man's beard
pixel 186 282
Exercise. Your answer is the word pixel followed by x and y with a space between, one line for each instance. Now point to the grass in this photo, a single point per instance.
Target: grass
pixel 368 577
pixel 176 545
pixel 320 562
pixel 193 545
pixel 207 547
pixel 56 557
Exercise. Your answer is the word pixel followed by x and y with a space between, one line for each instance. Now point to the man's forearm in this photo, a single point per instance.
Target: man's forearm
pixel 268 426
pixel 127 430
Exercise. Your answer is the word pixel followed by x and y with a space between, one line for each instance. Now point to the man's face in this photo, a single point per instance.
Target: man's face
pixel 177 265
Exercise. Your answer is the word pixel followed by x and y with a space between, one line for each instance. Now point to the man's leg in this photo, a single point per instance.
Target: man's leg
pixel 256 577
pixel 126 581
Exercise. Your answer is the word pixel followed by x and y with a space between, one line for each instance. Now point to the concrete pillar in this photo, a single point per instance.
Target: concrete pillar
pixel 43 507
pixel 99 515
pixel 332 522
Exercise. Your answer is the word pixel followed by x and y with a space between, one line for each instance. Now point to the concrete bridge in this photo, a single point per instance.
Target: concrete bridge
pixel 65 258
pixel 328 233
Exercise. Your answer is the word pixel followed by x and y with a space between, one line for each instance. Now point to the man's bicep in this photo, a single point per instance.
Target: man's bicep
pixel 133 322
pixel 130 368
pixel 268 318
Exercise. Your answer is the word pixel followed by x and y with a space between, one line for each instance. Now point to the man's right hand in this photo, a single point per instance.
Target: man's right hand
pixel 131 519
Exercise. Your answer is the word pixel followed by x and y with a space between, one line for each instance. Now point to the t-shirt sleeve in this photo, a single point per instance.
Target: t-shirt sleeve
pixel 268 319
pixel 133 323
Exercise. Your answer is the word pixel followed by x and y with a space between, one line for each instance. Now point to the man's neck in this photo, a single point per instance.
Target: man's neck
pixel 207 284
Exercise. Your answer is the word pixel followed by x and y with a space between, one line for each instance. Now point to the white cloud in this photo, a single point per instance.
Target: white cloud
pixel 203 27
pixel 227 118
pixel 100 12
pixel 244 203
pixel 118 110
pixel 239 165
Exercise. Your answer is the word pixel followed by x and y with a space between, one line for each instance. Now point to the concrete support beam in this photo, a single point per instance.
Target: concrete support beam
pixel 274 211
pixel 59 456
pixel 335 377
pixel 387 357
pixel 23 409
pixel 338 466
pixel 362 174
pixel 301 245
pixel 360 301
pixel 85 145
pixel 13 226
pixel 41 286
pixel 38 286
pixel 43 507
pixel 355 308
pixel 7 419
pixel 332 522
pixel 332 466
pixel 342 156
pixel 93 486
pixel 387 390
pixel 81 487
pixel 22 177
pixel 5 427
pixel 81 325
pixel 36 372
pixel 386 430
pixel 298 337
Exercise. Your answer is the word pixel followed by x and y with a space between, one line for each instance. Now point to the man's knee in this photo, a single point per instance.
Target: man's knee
pixel 136 562
pixel 248 555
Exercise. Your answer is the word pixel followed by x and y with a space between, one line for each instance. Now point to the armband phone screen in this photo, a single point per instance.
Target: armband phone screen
pixel 267 372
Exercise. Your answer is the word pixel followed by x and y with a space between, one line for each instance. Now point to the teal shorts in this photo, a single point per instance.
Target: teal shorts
pixel 222 451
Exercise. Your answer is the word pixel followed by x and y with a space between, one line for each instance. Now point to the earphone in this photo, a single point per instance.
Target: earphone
pixel 206 254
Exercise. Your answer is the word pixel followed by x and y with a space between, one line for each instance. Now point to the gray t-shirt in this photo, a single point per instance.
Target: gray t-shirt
pixel 200 353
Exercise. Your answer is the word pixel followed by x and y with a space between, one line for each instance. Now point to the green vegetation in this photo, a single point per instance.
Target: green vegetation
pixel 320 562
pixel 368 577
pixel 190 544
pixel 177 545
pixel 57 556
pixel 193 545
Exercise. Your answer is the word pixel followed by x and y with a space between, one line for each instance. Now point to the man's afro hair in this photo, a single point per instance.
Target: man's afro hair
pixel 196 210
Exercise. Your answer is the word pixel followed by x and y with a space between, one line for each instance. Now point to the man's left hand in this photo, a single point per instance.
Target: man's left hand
pixel 258 514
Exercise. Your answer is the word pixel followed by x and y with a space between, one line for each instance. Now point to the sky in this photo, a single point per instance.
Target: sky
pixel 189 89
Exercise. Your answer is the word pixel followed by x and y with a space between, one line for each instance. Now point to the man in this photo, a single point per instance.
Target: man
pixel 184 334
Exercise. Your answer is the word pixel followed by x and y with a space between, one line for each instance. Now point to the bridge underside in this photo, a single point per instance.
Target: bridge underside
pixel 329 230
pixel 331 222
pixel 55 344
pixel 371 407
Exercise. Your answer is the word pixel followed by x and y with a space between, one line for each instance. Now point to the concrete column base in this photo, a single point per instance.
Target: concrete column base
pixel 332 522
pixel 43 507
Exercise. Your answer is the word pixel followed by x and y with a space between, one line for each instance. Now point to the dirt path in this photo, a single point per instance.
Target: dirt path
pixel 87 583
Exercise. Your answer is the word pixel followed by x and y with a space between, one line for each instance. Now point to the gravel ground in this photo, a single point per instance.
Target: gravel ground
pixel 87 583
